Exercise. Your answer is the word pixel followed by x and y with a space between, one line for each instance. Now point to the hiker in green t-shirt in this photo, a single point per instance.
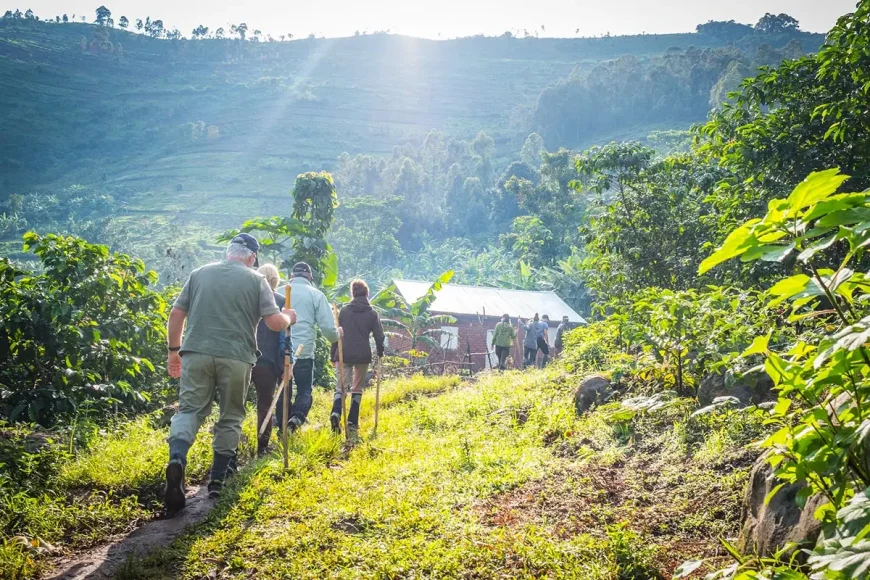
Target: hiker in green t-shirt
pixel 503 339
pixel 222 304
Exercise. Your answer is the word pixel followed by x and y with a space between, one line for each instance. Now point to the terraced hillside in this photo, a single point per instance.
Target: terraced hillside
pixel 224 121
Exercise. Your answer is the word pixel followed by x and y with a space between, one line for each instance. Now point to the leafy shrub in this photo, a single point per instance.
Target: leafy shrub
pixel 691 333
pixel 633 556
pixel 822 411
pixel 676 337
pixel 84 330
pixel 593 347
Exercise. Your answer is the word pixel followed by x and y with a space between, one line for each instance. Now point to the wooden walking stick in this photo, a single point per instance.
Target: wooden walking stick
pixel 288 367
pixel 377 394
pixel 340 369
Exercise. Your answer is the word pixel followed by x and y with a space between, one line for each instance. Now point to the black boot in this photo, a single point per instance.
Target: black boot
pixel 335 415
pixel 173 494
pixel 219 468
pixel 353 416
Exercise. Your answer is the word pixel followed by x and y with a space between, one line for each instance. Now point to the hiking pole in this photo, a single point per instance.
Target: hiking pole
pixel 340 369
pixel 288 366
pixel 377 394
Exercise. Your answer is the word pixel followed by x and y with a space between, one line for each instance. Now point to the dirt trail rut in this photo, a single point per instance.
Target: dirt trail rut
pixel 105 561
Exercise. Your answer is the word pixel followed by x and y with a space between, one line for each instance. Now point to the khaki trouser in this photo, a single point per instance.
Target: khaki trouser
pixel 202 376
pixel 353 375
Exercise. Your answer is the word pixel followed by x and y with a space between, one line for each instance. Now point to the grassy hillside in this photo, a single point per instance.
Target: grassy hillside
pixel 207 133
pixel 494 478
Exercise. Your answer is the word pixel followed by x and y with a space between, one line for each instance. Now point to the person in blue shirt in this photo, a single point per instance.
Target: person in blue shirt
pixel 530 341
pixel 313 311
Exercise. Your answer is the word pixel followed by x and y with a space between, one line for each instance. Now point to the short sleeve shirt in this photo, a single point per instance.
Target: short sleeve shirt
pixel 540 327
pixel 224 302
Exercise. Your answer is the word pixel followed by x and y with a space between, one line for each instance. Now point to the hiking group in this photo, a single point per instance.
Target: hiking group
pixel 235 326
pixel 227 311
pixel 537 338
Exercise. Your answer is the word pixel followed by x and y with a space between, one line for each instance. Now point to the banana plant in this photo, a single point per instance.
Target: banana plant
pixel 413 320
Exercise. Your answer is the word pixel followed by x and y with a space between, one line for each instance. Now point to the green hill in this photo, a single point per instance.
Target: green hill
pixel 206 133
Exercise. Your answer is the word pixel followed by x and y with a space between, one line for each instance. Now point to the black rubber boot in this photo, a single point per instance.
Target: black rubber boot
pixel 220 465
pixel 173 495
pixel 353 416
pixel 335 415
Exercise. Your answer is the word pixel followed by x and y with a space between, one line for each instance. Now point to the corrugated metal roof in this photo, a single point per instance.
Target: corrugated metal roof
pixel 459 299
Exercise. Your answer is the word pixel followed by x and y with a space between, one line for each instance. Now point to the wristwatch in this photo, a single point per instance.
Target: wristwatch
pixel 174 348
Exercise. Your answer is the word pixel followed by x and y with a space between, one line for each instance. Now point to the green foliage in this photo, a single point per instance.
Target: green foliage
pixel 301 237
pixel 61 348
pixel 364 235
pixel 671 87
pixel 314 203
pixel 441 186
pixel 636 202
pixel 692 333
pixel 791 120
pixel 822 384
pixel 593 347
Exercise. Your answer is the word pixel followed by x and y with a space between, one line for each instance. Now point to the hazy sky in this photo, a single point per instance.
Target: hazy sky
pixel 450 18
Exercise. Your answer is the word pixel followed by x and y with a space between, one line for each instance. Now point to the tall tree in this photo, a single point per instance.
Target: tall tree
pixel 123 22
pixel 777 23
pixel 532 150
pixel 103 16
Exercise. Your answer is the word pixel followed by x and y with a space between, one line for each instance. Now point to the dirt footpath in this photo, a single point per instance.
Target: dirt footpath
pixel 105 561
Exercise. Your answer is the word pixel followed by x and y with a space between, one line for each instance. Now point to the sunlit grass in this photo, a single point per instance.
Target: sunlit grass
pixel 491 478
pixel 406 503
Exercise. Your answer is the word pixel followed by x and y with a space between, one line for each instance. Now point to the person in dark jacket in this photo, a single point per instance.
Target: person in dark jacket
pixel 268 371
pixel 358 321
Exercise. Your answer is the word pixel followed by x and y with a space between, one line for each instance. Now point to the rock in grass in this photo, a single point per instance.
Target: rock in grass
pixel 593 390
pixel 768 528
pixel 749 389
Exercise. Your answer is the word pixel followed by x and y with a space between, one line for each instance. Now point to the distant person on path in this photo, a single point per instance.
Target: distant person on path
pixel 542 328
pixel 358 321
pixel 530 341
pixel 267 373
pixel 312 310
pixel 560 335
pixel 503 339
pixel 222 304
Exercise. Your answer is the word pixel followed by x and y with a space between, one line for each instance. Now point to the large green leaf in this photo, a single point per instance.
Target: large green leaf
pixel 845 553
pixel 330 268
pixel 421 305
pixel 850 338
pixel 817 187
pixel 792 286
pixel 835 204
pixel 738 242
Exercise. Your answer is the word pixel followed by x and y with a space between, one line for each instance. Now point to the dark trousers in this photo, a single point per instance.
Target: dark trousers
pixel 529 355
pixel 545 349
pixel 502 353
pixel 303 377
pixel 265 380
